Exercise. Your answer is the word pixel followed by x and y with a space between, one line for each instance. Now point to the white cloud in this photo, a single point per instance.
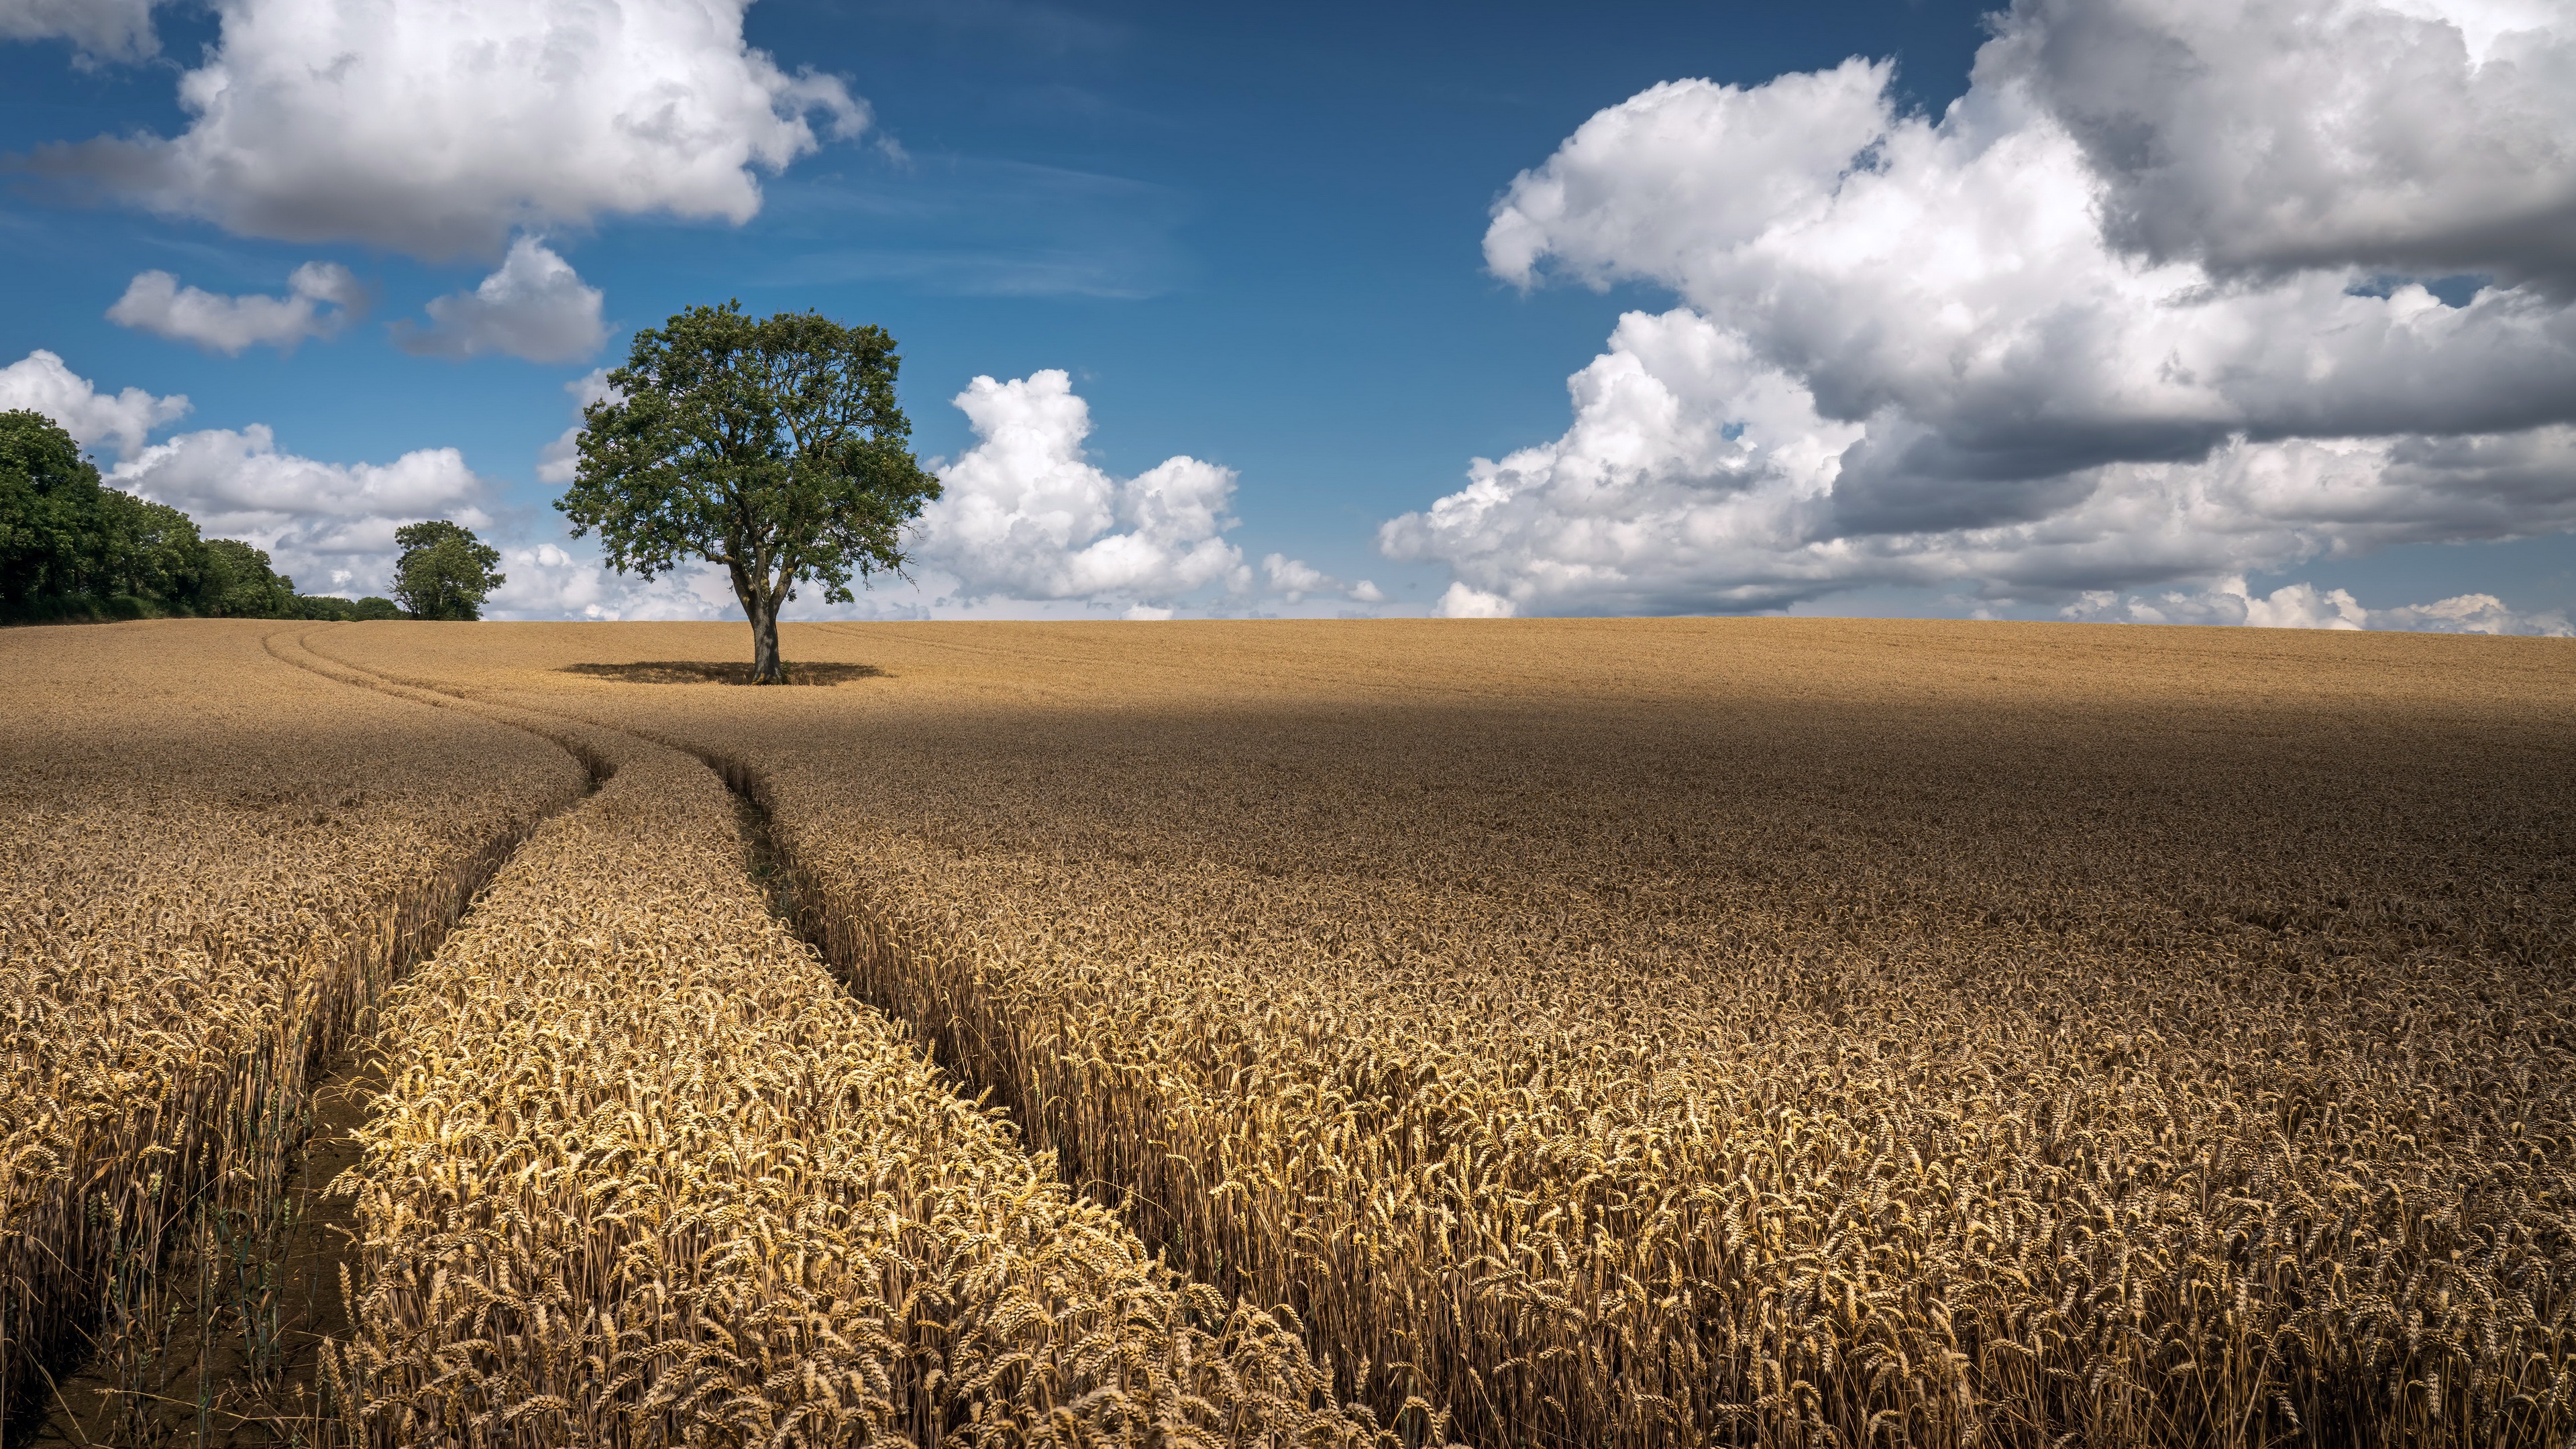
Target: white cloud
pixel 546 581
pixel 1462 602
pixel 98 29
pixel 322 298
pixel 1913 354
pixel 536 306
pixel 1293 579
pixel 2305 606
pixel 436 128
pixel 560 462
pixel 1024 515
pixel 317 520
pixel 39 381
pixel 1365 592
pixel 2472 614
pixel 2425 137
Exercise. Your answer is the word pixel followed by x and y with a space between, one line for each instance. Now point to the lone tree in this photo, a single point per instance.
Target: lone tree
pixel 445 571
pixel 774 448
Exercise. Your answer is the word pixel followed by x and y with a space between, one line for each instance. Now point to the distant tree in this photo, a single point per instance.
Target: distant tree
pixel 73 548
pixel 775 448
pixel 51 544
pixel 445 572
pixel 339 610
pixel 151 551
pixel 241 584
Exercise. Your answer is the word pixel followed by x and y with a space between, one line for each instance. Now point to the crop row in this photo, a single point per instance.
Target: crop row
pixel 211 868
pixel 1454 1030
pixel 1873 1036
pixel 643 1174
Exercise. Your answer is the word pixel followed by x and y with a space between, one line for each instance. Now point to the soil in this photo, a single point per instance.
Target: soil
pixel 205 1397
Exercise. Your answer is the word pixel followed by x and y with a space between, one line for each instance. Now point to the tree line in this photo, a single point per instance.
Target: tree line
pixel 71 547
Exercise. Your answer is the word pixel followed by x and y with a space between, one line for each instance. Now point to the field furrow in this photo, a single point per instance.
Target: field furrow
pixel 1741 1031
pixel 212 867
pixel 644 1175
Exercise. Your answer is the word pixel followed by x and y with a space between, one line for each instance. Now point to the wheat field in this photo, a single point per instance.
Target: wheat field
pixel 1740 1031
pixel 212 865
pixel 1533 1032
pixel 644 1175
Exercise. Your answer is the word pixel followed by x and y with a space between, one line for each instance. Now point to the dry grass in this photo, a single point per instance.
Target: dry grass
pixel 211 866
pixel 644 1175
pixel 1770 1031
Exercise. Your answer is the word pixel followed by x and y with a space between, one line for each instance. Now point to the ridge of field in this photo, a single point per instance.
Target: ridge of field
pixel 644 1175
pixel 211 866
pixel 1652 1032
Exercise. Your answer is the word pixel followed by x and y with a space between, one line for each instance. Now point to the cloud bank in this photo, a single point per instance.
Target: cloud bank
pixel 2147 305
pixel 1025 515
pixel 2304 606
pixel 535 307
pixel 120 422
pixel 329 525
pixel 435 129
pixel 322 298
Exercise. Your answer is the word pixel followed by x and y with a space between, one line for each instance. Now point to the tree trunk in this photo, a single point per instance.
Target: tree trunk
pixel 765 665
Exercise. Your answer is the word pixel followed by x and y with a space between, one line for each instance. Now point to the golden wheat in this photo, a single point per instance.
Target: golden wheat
pixel 211 865
pixel 1722 1031
pixel 644 1175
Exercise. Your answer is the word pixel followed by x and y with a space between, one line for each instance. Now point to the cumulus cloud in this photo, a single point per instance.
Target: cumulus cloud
pixel 560 462
pixel 2305 606
pixel 435 129
pixel 547 581
pixel 2001 349
pixel 1459 601
pixel 322 298
pixel 536 306
pixel 2424 137
pixel 318 520
pixel 121 421
pixel 1025 515
pixel 98 29
pixel 329 525
pixel 1295 580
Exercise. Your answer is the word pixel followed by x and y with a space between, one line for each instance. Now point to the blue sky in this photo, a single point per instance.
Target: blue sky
pixel 1261 240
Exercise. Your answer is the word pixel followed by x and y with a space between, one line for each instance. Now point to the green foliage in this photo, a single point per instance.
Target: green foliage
pixel 72 548
pixel 151 551
pixel 775 448
pixel 241 584
pixel 330 609
pixel 445 571
pixel 53 542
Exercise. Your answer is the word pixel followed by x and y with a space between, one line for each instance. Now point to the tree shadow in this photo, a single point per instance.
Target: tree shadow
pixel 688 671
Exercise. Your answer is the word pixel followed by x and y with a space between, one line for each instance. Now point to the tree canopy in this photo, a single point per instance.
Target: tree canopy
pixel 445 572
pixel 775 448
pixel 72 547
